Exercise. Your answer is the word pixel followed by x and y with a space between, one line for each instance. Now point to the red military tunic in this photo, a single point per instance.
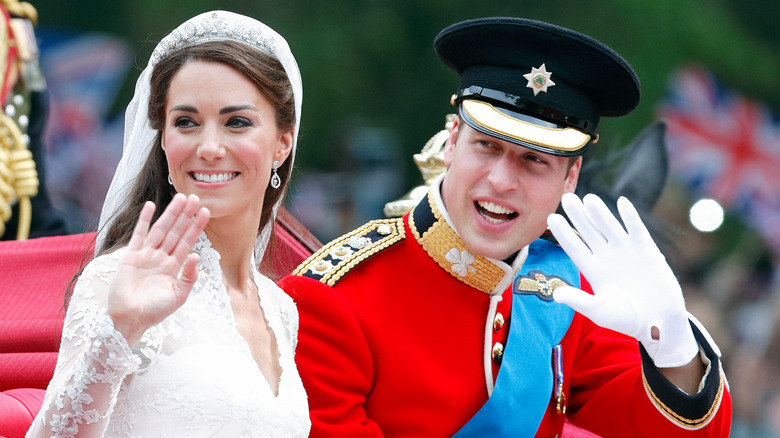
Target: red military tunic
pixel 394 342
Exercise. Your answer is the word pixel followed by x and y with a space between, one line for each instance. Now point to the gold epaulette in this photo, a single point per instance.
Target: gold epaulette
pixel 338 257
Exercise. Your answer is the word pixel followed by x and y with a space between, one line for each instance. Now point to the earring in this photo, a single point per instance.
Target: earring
pixel 275 180
pixel 170 181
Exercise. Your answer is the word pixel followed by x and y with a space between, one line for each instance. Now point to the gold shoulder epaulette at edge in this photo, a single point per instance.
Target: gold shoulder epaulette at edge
pixel 336 258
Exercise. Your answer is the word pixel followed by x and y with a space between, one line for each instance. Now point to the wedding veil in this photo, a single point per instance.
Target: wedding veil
pixel 139 136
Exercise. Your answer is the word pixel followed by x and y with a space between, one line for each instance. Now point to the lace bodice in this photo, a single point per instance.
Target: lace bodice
pixel 191 375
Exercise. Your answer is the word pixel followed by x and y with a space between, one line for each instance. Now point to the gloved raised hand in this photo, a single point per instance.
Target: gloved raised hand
pixel 634 289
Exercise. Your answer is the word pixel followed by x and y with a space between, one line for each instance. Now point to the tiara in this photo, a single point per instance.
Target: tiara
pixel 217 26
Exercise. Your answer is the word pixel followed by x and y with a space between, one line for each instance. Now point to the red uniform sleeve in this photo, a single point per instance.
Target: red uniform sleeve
pixel 617 391
pixel 333 360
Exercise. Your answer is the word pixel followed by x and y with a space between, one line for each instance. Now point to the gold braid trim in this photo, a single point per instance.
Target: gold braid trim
pixel 393 234
pixel 681 421
pixel 440 239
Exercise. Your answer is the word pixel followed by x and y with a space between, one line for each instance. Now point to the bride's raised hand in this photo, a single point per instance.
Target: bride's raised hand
pixel 148 287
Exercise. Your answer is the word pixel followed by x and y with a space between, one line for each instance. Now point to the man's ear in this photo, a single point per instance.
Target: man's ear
pixel 449 146
pixel 572 176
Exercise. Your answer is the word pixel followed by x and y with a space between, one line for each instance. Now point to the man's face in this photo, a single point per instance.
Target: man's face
pixel 499 194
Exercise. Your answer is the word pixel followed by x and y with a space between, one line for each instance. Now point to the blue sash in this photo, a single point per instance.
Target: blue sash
pixel 524 384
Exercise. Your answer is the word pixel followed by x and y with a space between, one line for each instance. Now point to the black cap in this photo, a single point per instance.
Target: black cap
pixel 535 84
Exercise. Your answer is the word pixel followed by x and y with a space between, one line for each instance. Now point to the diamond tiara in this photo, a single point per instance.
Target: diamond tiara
pixel 215 27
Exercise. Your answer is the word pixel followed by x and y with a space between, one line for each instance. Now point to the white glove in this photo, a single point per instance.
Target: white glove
pixel 634 289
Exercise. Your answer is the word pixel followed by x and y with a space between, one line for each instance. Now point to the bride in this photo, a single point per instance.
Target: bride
pixel 171 330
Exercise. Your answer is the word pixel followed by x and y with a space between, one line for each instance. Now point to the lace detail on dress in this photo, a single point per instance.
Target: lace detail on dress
pixel 208 293
pixel 191 373
pixel 102 359
pixel 284 307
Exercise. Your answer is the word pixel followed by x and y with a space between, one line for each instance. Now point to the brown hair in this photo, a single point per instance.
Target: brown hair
pixel 268 75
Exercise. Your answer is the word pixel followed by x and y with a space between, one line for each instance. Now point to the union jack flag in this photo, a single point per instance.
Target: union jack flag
pixel 726 147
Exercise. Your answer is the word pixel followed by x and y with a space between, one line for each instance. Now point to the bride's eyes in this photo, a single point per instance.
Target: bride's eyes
pixel 238 122
pixel 234 122
pixel 184 122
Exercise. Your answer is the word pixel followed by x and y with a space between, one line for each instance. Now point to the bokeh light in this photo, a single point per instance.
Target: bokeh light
pixel 706 215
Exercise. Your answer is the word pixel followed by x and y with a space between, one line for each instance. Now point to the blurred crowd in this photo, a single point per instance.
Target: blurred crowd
pixel 735 294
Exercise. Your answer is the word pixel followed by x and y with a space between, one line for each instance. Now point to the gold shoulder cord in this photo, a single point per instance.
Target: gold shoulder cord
pixel 18 176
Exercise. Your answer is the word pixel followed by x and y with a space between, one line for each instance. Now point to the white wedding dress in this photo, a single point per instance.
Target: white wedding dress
pixel 191 375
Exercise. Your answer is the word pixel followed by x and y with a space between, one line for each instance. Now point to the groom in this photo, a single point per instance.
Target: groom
pixel 467 317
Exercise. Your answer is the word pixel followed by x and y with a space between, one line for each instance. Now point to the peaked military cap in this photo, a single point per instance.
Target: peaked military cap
pixel 535 84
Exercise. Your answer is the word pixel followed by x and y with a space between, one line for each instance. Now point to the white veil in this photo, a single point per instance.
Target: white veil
pixel 139 135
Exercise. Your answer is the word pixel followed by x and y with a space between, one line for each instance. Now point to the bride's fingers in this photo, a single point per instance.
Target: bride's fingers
pixel 191 233
pixel 189 276
pixel 142 226
pixel 166 220
pixel 182 221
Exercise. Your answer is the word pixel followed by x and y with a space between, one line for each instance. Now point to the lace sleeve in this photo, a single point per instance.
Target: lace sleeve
pixel 93 360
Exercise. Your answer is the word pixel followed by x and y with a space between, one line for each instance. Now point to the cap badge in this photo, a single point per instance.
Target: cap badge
pixel 539 79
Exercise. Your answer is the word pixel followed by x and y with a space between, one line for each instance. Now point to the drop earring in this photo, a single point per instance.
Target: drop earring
pixel 170 181
pixel 276 182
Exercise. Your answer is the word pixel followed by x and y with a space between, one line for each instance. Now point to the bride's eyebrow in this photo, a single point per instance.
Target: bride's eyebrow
pixel 234 108
pixel 184 108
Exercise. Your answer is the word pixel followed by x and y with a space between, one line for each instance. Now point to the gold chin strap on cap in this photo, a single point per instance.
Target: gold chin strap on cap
pixel 490 118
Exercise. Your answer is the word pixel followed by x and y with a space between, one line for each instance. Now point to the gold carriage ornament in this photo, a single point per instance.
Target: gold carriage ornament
pixel 21 76
pixel 430 161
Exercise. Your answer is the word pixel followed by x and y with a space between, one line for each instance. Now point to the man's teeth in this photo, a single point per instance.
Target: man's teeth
pixel 495 214
pixel 493 208
pixel 492 220
pixel 212 178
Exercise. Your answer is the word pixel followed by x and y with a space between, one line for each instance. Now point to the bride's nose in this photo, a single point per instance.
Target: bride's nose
pixel 210 146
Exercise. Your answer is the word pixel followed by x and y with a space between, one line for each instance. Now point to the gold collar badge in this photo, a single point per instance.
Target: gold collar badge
pixel 449 251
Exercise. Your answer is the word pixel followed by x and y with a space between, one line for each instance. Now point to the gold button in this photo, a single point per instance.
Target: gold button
pixel 498 352
pixel 498 321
